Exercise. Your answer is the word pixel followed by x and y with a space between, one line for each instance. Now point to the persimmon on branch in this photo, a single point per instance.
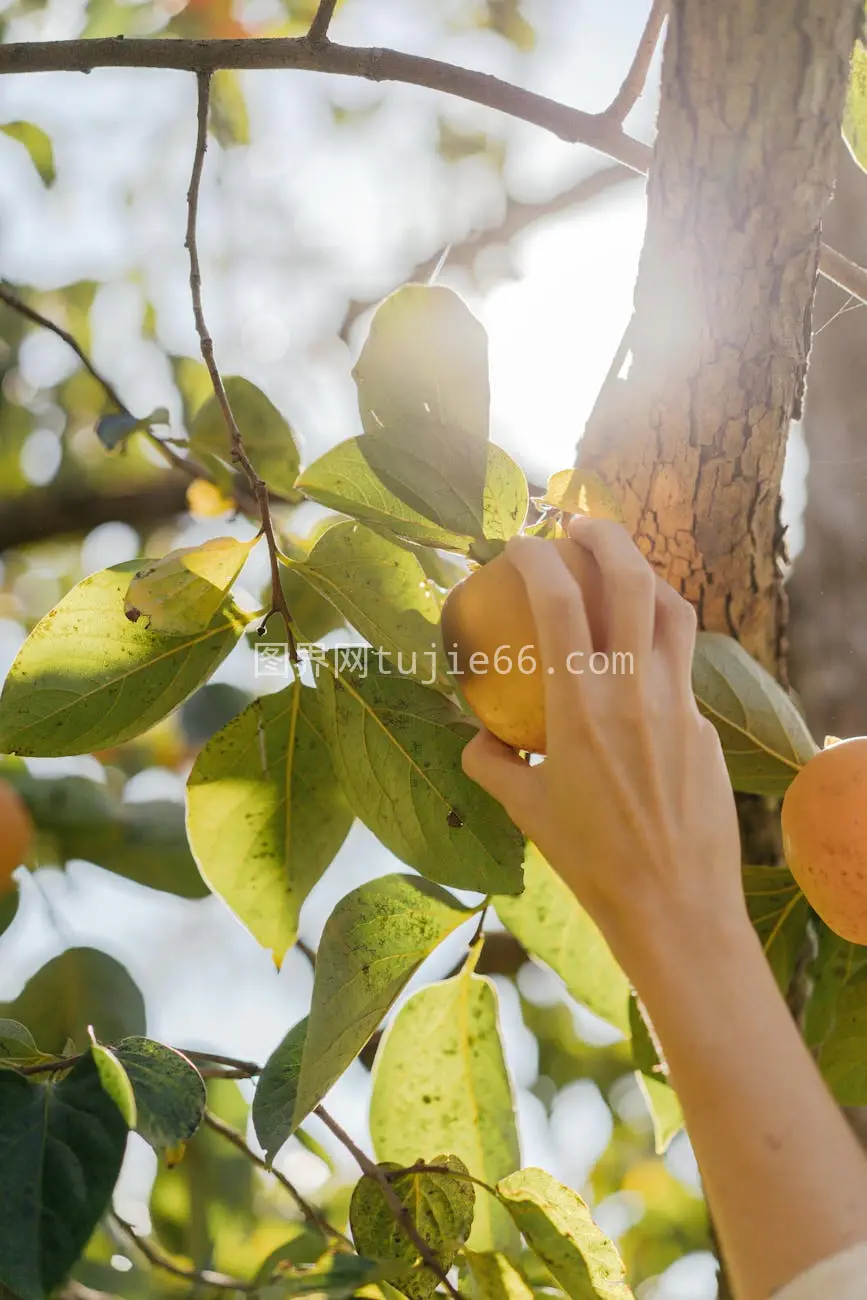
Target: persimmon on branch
pixel 600 131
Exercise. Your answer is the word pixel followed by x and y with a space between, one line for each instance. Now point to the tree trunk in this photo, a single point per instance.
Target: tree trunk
pixel 693 439
pixel 827 591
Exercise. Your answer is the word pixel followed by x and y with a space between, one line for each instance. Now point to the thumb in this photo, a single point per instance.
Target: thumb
pixel 500 772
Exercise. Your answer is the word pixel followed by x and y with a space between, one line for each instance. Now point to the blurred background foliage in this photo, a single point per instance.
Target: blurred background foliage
pixel 320 195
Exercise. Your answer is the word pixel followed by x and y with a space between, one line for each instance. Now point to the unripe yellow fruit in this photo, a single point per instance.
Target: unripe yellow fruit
pixel 16 833
pixel 490 637
pixel 825 836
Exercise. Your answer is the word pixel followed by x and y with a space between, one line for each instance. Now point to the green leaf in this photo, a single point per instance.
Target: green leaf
pixel 268 439
pixel 558 1226
pixel 665 1110
pixel 277 1091
pixel 61 1148
pixel 373 941
pixel 169 1091
pixel 343 479
pixel 79 988
pixel 424 398
pixel 336 1276
pixel 38 145
pixel 114 429
pixel 440 1084
pixel 550 923
pixel 185 590
pixel 265 814
pixel 229 121
pixel 17 1045
pixel 114 1080
pixel 764 738
pixel 836 1018
pixel 396 749
pixel 779 913
pixel 440 1208
pixel 855 111
pixel 495 1278
pixel 87 678
pixel 382 590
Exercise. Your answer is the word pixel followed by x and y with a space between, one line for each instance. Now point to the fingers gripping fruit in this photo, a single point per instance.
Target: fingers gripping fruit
pixel 16 833
pixel 825 836
pixel 490 636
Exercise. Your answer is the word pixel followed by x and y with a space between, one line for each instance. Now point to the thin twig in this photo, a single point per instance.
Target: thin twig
pixel 311 1214
pixel 189 467
pixel 48 1067
pixel 158 1259
pixel 627 96
pixel 239 454
pixel 478 933
pixel 421 1168
pixel 78 1291
pixel 318 31
pixel 398 1210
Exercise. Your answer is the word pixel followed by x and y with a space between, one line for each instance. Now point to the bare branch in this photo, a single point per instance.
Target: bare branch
pixel 60 510
pixel 242 1069
pixel 78 1291
pixel 158 1259
pixel 519 217
pixel 311 1214
pixel 371 63
pixel 318 32
pixel 625 99
pixel 257 486
pixel 596 130
pixel 398 1210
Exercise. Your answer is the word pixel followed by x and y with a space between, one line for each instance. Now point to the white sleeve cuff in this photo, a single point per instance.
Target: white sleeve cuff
pixel 843 1277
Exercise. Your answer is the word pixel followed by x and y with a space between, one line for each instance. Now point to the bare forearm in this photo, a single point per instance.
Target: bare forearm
pixel 785 1177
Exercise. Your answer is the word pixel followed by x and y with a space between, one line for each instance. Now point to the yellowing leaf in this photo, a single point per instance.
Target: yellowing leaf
pixel 580 493
pixel 114 1080
pixel 37 144
pixel 206 501
pixel 183 591
pixel 855 111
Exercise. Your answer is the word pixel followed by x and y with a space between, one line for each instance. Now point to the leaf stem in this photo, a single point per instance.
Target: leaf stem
pixel 398 1210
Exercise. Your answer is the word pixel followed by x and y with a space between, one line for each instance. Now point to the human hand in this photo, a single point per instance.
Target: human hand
pixel 633 805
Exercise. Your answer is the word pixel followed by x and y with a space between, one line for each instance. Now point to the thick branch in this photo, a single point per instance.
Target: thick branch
pixel 56 511
pixel 596 130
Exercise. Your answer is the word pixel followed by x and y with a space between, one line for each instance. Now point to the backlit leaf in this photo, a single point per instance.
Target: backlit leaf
pixel 265 813
pixel 373 941
pixel 268 439
pixel 114 1080
pixel 86 677
pixel 344 479
pixel 424 396
pixel 381 589
pixel 396 748
pixel 38 145
pixel 440 1084
pixel 439 1207
pixel 183 592
pixel 495 1278
pixel 81 987
pixel 764 737
pixel 17 1043
pixel 558 1225
pixel 579 493
pixel 550 923
pixel 61 1148
pixel 338 1275
pixel 169 1091
pixel 229 121
pixel 855 111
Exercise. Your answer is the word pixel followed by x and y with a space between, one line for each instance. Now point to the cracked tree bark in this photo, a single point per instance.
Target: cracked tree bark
pixel 693 438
